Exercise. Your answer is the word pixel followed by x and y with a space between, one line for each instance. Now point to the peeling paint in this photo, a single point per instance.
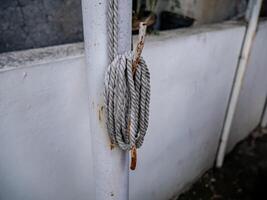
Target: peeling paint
pixel 101 113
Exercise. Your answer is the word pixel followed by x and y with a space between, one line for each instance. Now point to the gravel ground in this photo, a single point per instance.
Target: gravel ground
pixel 243 175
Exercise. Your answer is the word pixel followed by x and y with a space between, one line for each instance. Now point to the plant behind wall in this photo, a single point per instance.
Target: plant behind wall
pixel 144 10
pixel 174 17
pixel 171 18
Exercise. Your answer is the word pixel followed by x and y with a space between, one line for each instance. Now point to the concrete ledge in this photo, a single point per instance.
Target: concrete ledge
pixel 33 57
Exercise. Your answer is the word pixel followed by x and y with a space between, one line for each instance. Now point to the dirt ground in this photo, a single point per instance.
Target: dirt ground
pixel 243 175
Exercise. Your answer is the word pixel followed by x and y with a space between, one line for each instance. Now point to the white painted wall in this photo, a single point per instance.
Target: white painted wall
pixel 45 143
pixel 191 82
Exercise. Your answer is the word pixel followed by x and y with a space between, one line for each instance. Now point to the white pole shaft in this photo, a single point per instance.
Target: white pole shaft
pixel 111 167
pixel 241 69
pixel 264 116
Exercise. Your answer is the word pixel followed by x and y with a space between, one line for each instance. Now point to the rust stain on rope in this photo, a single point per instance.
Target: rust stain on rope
pixel 139 46
pixel 133 158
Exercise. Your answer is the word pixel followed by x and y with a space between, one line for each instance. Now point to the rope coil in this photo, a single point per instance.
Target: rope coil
pixel 127 91
pixel 127 101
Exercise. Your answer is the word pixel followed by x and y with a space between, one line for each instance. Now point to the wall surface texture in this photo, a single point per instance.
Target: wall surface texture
pixel 28 24
pixel 191 82
pixel 45 143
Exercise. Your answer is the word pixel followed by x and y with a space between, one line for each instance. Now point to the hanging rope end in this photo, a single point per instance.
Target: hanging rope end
pixel 133 158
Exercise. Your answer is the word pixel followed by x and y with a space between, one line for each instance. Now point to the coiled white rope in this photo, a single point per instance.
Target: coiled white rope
pixel 127 91
pixel 127 101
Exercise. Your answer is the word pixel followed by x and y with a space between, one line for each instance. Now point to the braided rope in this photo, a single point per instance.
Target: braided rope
pixel 127 96
pixel 112 29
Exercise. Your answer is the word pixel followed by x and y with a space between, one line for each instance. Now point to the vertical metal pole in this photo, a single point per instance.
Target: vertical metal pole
pixel 264 116
pixel 238 82
pixel 111 167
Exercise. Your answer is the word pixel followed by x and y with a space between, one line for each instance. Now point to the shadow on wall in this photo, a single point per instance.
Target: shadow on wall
pixel 28 24
pixel 264 9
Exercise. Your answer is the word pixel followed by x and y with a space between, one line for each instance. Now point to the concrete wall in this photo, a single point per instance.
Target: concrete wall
pixel 45 144
pixel 28 24
pixel 191 83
